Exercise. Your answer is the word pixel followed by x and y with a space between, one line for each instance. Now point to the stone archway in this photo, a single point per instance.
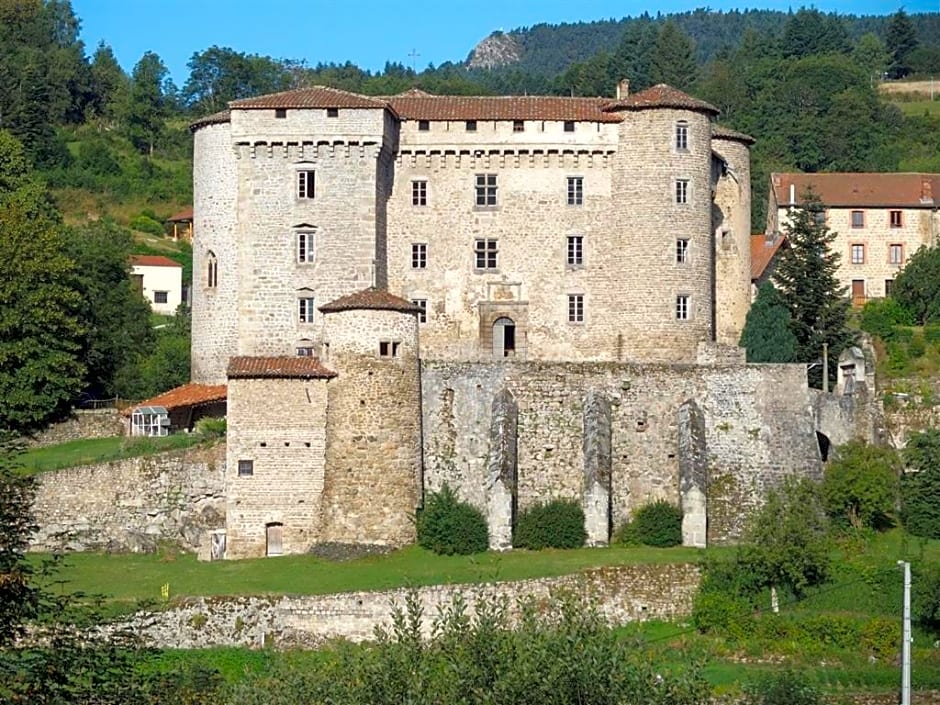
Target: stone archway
pixel 504 337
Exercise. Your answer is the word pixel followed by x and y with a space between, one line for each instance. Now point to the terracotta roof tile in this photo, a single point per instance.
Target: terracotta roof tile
pixel 313 97
pixel 370 299
pixel 184 215
pixel 218 118
pixel 153 261
pixel 661 96
pixel 189 394
pixel 726 133
pixel 423 106
pixel 247 367
pixel 763 251
pixel 866 190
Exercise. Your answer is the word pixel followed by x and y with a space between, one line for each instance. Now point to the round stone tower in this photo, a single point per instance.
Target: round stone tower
pixel 661 271
pixel 214 288
pixel 372 483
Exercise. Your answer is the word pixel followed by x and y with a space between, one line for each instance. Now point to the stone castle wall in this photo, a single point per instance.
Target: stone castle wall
pixel 81 423
pixel 132 504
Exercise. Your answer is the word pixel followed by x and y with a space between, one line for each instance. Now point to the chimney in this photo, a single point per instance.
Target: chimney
pixel 623 88
pixel 792 194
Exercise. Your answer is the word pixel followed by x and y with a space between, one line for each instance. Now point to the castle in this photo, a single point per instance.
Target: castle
pixel 524 297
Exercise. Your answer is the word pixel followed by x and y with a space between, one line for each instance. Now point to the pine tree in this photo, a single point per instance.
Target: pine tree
pixel 767 336
pixel 673 59
pixel 901 40
pixel 806 279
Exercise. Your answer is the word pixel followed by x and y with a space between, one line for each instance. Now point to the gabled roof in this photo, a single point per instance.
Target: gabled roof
pixel 861 190
pixel 370 299
pixel 661 96
pixel 312 97
pixel 418 105
pixel 249 367
pixel 153 261
pixel 189 394
pixel 183 216
pixel 763 250
pixel 218 118
pixel 720 132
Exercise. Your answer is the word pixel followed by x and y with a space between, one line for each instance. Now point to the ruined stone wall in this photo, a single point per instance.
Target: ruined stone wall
pixel 81 423
pixel 279 425
pixel 756 421
pixel 132 504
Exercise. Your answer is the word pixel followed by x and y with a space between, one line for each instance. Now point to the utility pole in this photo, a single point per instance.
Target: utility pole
pixel 906 637
pixel 825 379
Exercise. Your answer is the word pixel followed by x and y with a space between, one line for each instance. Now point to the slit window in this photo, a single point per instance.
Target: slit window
pixel 212 271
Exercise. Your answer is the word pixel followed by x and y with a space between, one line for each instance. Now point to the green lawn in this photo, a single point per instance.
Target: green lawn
pixel 100 450
pixel 919 107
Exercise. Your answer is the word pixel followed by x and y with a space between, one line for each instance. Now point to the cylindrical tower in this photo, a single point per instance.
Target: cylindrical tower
pixel 732 228
pixel 372 483
pixel 214 288
pixel 661 271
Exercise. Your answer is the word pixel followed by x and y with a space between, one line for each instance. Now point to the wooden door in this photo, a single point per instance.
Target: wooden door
pixel 858 292
pixel 275 538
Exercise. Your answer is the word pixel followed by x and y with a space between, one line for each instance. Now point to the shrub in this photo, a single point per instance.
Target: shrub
pixel 556 524
pixel 882 316
pixel 917 347
pixel 211 427
pixel 861 485
pixel 932 334
pixel 783 688
pixel 449 526
pixel 920 490
pixel 657 524
pixel 146 224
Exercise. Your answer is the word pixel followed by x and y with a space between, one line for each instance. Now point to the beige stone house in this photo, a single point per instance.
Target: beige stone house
pixel 880 221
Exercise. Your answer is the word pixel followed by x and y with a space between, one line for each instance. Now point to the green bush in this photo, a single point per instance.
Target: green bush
pixel 781 688
pixel 882 317
pixel 556 524
pixel 920 490
pixel 211 427
pixel 146 224
pixel 932 335
pixel 657 524
pixel 449 526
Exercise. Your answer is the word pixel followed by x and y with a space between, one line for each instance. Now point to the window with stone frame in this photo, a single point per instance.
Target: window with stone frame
pixel 306 250
pixel 306 183
pixel 895 219
pixel 388 348
pixel 305 309
pixel 575 308
pixel 486 253
pixel 682 250
pixel 419 255
pixel 246 468
pixel 858 219
pixel 683 308
pixel 858 253
pixel 682 136
pixel 419 192
pixel 682 191
pixel 306 349
pixel 212 270
pixel 575 251
pixel 575 190
pixel 485 188
pixel 896 253
pixel 423 313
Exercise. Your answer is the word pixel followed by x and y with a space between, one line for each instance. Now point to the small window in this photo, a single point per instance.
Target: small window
pixel 305 184
pixel 858 219
pixel 424 125
pixel 569 125
pixel 819 217
pixel 423 305
pixel 575 256
pixel 895 219
pixel 471 125
pixel 280 113
pixel 682 250
pixel 682 307
pixel 575 190
pixel 682 136
pixel 388 348
pixel 518 126
pixel 332 112
pixel 486 190
pixel 212 271
pixel 889 285
pixel 306 351
pixel 486 252
pixel 305 309
pixel 858 253
pixel 575 308
pixel 896 253
pixel 246 468
pixel 419 193
pixel 161 297
pixel 305 248
pixel 682 191
pixel 419 255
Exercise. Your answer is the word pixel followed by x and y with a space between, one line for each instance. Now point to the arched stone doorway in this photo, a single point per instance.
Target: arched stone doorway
pixel 504 337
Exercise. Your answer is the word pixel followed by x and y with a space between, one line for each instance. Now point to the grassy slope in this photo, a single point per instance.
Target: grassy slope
pixel 100 450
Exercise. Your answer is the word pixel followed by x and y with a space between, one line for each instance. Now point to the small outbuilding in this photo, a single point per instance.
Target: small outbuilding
pixel 160 280
pixel 182 224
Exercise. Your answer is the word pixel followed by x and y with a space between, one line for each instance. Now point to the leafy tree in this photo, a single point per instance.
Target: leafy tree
pixel 767 336
pixel 920 486
pixel 900 40
pixel 917 285
pixel 870 53
pixel 806 279
pixel 146 106
pixel 220 74
pixel 673 58
pixel 860 487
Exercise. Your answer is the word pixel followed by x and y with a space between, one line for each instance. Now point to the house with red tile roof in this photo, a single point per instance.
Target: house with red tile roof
pixel 160 280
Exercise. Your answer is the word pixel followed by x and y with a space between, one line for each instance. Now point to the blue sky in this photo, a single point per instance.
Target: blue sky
pixel 366 32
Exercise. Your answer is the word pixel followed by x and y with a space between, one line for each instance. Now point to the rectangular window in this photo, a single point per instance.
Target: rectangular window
pixel 889 285
pixel 424 125
pixel 423 305
pixel 305 184
pixel 419 193
pixel 305 310
pixel 682 250
pixel 819 217
pixel 858 253
pixel 306 351
pixel 575 190
pixel 161 297
pixel 388 348
pixel 575 308
pixel 682 136
pixel 305 251
pixel 486 251
pixel 682 190
pixel 486 189
pixel 858 219
pixel 471 125
pixel 332 112
pixel 518 126
pixel 682 307
pixel 569 125
pixel 246 468
pixel 894 218
pixel 575 250
pixel 419 255
pixel 280 113
pixel 896 253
